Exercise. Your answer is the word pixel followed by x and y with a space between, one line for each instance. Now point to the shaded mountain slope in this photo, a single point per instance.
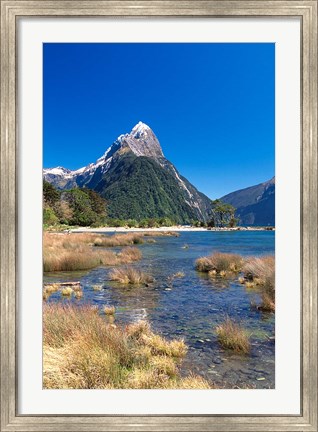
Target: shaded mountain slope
pixel 137 181
pixel 254 205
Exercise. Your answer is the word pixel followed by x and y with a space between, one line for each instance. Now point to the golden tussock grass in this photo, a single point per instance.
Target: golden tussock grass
pixel 233 336
pixel 130 275
pixel 221 263
pixel 178 275
pixel 118 239
pixel 82 351
pixel 260 271
pixel 70 252
pixel 78 294
pixel 68 291
pixel 129 254
pixel 160 233
pixel 109 310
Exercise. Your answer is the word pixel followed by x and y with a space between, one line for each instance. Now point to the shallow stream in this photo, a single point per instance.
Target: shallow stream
pixel 192 306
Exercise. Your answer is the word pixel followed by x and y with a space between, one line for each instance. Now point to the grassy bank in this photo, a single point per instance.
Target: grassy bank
pixel 70 252
pixel 82 351
pixel 84 251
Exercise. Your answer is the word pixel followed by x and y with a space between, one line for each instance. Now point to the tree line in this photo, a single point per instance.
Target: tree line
pixel 85 207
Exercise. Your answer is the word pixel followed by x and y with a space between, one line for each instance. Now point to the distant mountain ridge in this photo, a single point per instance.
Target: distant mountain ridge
pixel 137 181
pixel 254 205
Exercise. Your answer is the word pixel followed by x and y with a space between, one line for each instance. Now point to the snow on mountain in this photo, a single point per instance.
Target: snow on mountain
pixel 141 141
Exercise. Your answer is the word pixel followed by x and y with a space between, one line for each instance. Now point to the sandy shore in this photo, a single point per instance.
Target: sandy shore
pixel 172 228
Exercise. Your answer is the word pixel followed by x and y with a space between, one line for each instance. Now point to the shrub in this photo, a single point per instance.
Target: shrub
pixel 233 336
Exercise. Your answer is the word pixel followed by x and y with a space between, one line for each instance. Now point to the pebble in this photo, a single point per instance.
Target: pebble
pixel 211 371
pixel 217 361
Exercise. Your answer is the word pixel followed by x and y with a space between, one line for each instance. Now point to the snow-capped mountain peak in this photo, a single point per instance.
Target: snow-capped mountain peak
pixel 141 141
pixel 139 129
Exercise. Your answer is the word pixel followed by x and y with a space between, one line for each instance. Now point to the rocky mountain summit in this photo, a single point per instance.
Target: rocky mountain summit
pixel 254 205
pixel 137 180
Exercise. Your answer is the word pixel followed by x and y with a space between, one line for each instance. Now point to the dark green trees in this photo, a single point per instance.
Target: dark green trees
pixel 223 214
pixel 82 207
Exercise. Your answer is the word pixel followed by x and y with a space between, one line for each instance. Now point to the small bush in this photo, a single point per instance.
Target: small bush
pixel 232 336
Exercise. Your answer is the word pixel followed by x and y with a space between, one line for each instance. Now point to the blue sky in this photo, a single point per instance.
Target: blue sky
pixel 212 106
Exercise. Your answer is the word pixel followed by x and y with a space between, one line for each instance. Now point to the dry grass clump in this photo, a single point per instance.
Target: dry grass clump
pixel 233 336
pixel 160 233
pixel 260 268
pixel 219 263
pixel 80 258
pixel 49 289
pixel 67 291
pixel 82 351
pixel 178 275
pixel 160 346
pixel 195 382
pixel 260 272
pixel 70 252
pixel 78 294
pixel 129 254
pixel 52 288
pixel 130 275
pixel 109 310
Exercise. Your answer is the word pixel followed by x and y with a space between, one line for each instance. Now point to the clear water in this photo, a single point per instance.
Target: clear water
pixel 192 306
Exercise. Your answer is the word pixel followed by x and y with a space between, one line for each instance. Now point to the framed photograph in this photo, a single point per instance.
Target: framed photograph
pixel 159 215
